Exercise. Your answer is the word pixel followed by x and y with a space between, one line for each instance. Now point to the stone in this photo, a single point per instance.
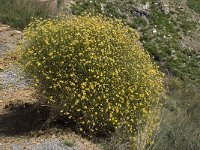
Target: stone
pixel 164 7
pixel 154 31
pixel 15 32
pixel 142 10
pixel 102 7
pixel 4 27
pixel 146 6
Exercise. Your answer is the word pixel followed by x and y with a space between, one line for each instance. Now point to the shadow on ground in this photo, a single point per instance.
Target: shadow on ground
pixel 35 119
pixel 21 119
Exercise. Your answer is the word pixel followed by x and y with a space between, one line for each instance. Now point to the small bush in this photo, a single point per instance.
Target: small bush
pixel 93 70
pixel 18 13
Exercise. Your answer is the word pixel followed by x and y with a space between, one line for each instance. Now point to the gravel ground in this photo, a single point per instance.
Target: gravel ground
pixel 51 144
pixel 13 77
pixel 3 48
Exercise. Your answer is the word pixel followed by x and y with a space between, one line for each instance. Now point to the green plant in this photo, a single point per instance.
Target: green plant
pixel 179 128
pixel 69 143
pixel 93 70
pixel 194 4
pixel 180 118
pixel 60 3
pixel 97 7
pixel 19 13
pixel 164 45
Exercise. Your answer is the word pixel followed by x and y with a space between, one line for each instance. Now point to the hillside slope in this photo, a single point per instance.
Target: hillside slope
pixel 169 31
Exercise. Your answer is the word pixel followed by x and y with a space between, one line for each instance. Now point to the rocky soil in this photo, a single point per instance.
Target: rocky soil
pixel 21 115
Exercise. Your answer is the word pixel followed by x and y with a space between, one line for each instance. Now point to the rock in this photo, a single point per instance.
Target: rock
pixel 4 27
pixel 164 7
pixel 154 30
pixel 142 10
pixel 146 6
pixel 15 32
pixel 140 13
pixel 102 7
pixel 180 7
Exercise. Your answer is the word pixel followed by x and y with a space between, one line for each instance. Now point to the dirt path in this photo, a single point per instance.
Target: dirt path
pixel 21 116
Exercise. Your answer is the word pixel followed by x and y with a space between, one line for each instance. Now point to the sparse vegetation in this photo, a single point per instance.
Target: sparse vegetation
pixel 180 118
pixel 19 13
pixel 194 4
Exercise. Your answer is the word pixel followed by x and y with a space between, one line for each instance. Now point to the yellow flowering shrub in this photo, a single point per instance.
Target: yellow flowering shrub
pixel 93 70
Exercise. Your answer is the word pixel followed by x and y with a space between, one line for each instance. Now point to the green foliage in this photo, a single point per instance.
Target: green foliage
pixel 69 143
pixel 164 45
pixel 180 118
pixel 194 4
pixel 93 70
pixel 97 7
pixel 180 126
pixel 185 24
pixel 19 13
